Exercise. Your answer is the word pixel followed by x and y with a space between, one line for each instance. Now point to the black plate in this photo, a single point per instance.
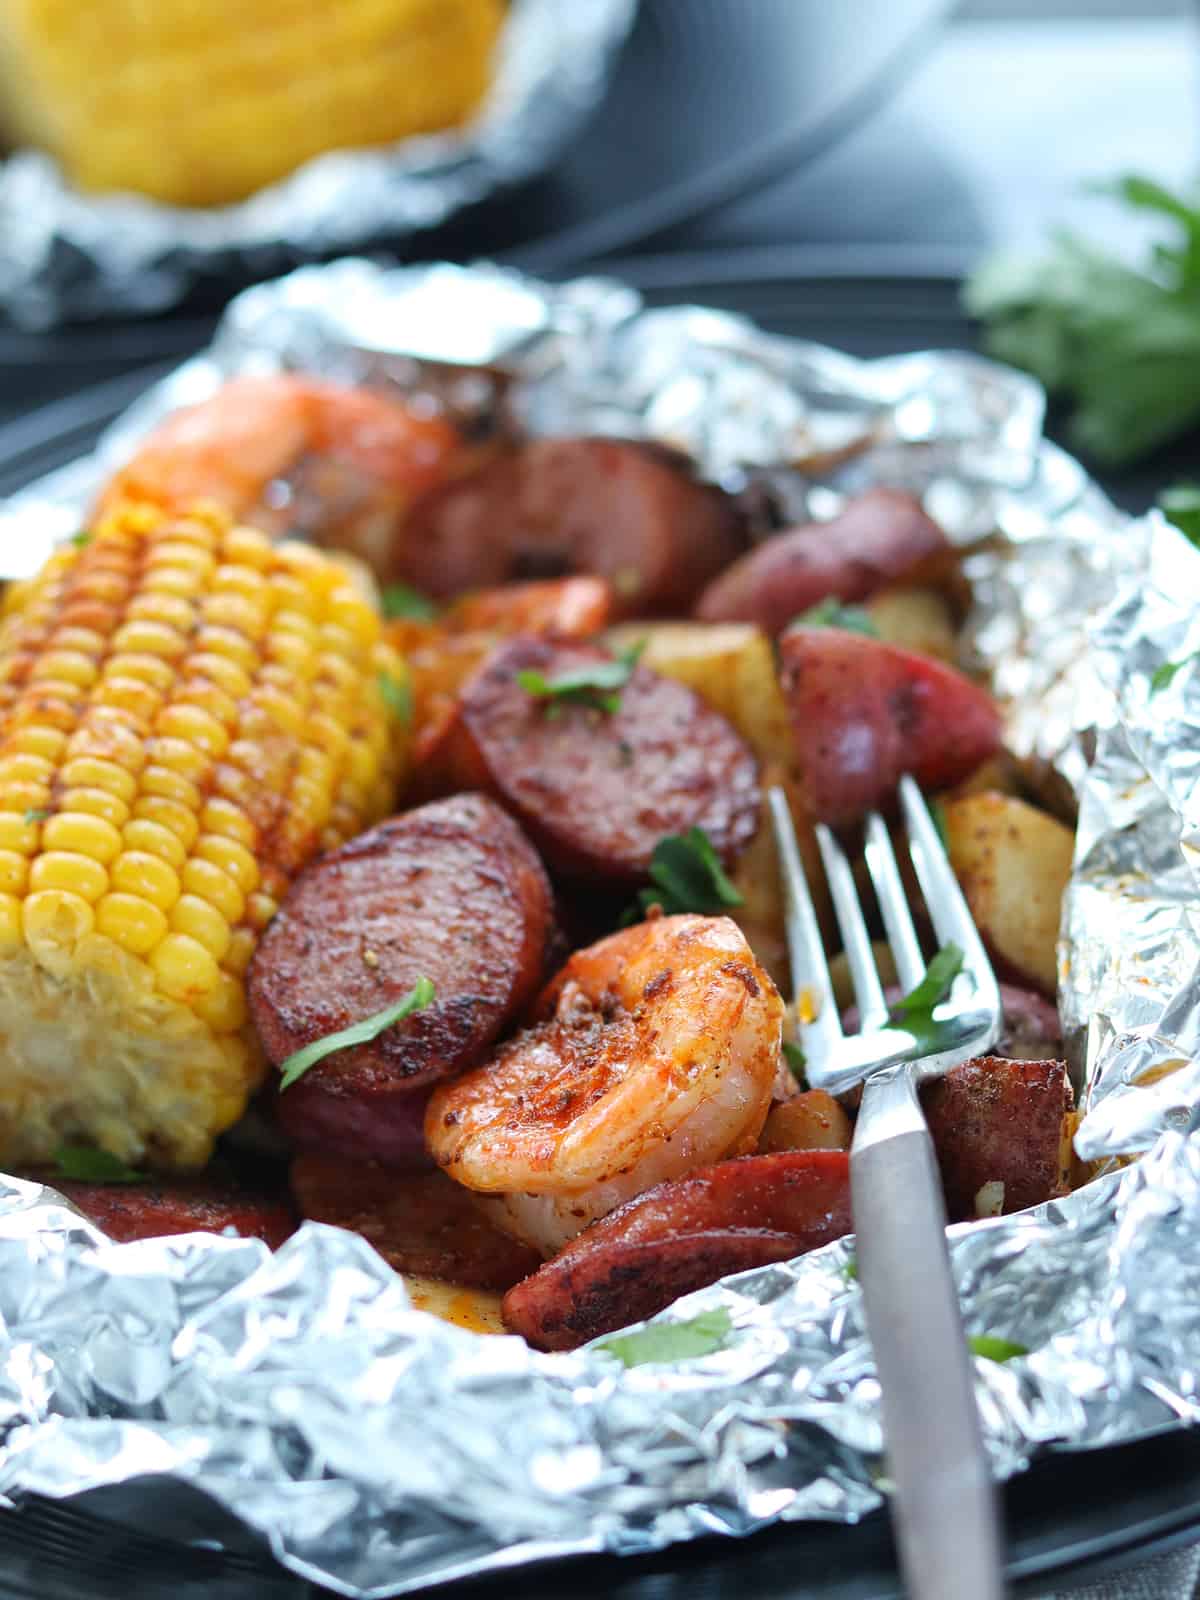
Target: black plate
pixel 1071 1518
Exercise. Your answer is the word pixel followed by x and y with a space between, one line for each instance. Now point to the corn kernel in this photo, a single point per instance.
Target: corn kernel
pixel 99 802
pixel 227 642
pixel 14 872
pixel 66 869
pixel 90 836
pixel 65 666
pixel 260 908
pixel 55 919
pixel 178 755
pixel 241 948
pixel 90 772
pixel 46 742
pixel 171 786
pixel 221 816
pixel 247 547
pixel 129 694
pixel 183 969
pixel 195 726
pixel 231 857
pixel 153 671
pixel 224 1007
pixel 166 610
pixel 143 834
pixel 132 922
pixel 139 873
pixel 19 833
pixel 149 637
pixel 202 922
pixel 20 768
pixel 217 887
pixel 228 675
pixel 181 820
pixel 108 735
pixel 11 928
pixel 281 709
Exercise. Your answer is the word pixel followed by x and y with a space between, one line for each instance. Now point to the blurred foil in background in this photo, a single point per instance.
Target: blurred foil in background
pixel 380 1450
pixel 67 255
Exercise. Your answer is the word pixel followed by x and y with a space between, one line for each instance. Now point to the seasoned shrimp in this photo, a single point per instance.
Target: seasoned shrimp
pixel 298 455
pixel 655 1054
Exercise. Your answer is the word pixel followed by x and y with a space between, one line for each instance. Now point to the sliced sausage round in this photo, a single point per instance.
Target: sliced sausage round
pixel 453 892
pixel 203 1204
pixel 597 789
pixel 428 1225
pixel 680 1236
pixel 622 510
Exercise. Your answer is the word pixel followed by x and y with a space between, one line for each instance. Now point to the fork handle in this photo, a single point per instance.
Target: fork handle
pixel 946 1510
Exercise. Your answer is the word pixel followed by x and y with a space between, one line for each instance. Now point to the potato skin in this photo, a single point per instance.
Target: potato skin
pixel 864 713
pixel 809 1121
pixel 1013 862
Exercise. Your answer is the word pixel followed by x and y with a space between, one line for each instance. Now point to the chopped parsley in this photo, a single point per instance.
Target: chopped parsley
pixel 418 997
pixel 36 814
pixel 1164 675
pixel 597 685
pixel 404 604
pixel 1181 506
pixel 83 537
pixel 832 613
pixel 796 1059
pixel 993 1349
pixel 687 876
pixel 87 1165
pixel 938 812
pixel 701 1335
pixel 918 1005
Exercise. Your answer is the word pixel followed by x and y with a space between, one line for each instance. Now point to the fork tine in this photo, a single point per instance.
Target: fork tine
pixel 952 919
pixel 806 953
pixel 893 903
pixel 868 990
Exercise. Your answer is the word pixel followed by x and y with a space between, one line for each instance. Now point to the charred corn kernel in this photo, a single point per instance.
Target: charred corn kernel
pixel 132 922
pixel 184 708
pixel 66 869
pixel 183 968
pixel 78 831
pixel 99 802
pixel 151 837
pixel 139 872
pixel 202 922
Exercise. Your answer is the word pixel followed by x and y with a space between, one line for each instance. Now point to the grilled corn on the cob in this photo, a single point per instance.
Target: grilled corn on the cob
pixel 188 713
pixel 202 104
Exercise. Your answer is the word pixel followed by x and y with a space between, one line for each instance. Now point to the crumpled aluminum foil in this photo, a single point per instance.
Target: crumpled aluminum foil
pixel 380 1450
pixel 68 255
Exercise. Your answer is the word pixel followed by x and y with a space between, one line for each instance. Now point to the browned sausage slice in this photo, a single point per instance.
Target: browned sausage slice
pixel 621 510
pixel 597 789
pixel 453 892
pixel 428 1224
pixel 999 1121
pixel 879 537
pixel 204 1204
pixel 679 1237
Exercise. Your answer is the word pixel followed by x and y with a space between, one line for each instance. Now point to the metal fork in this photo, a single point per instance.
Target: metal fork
pixel 946 1510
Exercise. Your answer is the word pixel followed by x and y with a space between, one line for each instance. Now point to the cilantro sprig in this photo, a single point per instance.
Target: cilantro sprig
pixel 85 1164
pixel 914 1011
pixel 994 1349
pixel 1180 504
pixel 687 875
pixel 797 1061
pixel 597 685
pixel 701 1335
pixel 397 697
pixel 298 1063
pixel 834 613
pixel 1120 342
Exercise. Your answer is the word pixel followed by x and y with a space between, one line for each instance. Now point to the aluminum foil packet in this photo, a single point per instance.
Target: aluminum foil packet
pixel 381 1451
pixel 65 255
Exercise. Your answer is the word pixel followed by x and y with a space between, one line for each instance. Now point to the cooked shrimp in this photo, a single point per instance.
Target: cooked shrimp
pixel 656 1054
pixel 297 455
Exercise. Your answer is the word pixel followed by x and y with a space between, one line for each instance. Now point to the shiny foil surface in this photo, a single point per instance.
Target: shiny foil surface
pixel 380 1450
pixel 66 255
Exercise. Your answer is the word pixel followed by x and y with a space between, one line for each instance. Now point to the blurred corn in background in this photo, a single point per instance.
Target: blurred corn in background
pixel 200 105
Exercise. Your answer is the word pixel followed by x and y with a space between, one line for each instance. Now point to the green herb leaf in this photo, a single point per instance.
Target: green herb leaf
pixel 1181 505
pixel 402 603
pixel 992 1349
pixel 1162 676
pixel 1121 342
pixel 938 812
pixel 418 997
pixel 850 1270
pixel 833 613
pixel 87 1165
pixel 84 536
pixel 397 697
pixel 36 814
pixel 598 685
pixel 687 876
pixel 796 1059
pixel 701 1335
pixel 917 1007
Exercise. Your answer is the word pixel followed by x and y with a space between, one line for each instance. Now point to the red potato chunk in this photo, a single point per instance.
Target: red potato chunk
pixel 864 713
